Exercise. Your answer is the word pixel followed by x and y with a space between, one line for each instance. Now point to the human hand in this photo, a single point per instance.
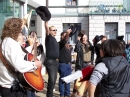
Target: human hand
pixel 128 41
pixel 31 40
pixel 69 31
pixel 38 64
pixel 38 43
pixel 78 38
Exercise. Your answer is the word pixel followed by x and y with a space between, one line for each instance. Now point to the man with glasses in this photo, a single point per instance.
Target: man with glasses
pixel 52 55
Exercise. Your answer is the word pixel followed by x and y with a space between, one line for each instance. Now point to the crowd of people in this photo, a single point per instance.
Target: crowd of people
pixel 109 78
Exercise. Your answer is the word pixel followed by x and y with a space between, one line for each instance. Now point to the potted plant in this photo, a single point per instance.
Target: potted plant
pixel 119 8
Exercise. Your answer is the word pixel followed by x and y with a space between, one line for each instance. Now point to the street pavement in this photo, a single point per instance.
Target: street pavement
pixel 56 92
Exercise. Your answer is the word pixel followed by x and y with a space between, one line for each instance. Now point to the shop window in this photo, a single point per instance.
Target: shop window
pixel 71 2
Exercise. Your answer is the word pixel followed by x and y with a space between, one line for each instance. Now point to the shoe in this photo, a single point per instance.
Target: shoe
pixel 77 95
pixel 68 96
pixel 73 95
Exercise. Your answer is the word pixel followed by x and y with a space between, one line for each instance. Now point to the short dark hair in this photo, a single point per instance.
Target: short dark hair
pixel 112 48
pixel 32 32
pixel 62 33
pixel 81 33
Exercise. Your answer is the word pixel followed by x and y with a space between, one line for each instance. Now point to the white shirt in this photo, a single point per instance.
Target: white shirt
pixel 11 49
pixel 29 49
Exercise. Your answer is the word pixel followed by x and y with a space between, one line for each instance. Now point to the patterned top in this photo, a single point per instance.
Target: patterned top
pixel 127 51
pixel 99 71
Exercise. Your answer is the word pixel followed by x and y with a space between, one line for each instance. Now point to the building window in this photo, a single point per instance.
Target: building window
pixel 16 9
pixel 127 32
pixel 6 11
pixel 32 23
pixel 71 2
pixel 111 30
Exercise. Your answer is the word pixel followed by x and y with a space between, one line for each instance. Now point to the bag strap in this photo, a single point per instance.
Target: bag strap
pixel 24 50
pixel 5 62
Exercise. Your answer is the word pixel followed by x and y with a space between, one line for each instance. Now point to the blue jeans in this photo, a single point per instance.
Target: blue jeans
pixel 64 70
pixel 6 92
pixel 31 93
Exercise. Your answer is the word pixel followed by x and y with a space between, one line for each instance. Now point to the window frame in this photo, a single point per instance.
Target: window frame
pixel 71 2
pixel 73 39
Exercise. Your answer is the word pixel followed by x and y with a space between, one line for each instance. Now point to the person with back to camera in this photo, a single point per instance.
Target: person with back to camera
pixel 12 39
pixel 111 75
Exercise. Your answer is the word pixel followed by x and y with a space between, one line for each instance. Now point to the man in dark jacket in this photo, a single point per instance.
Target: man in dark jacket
pixel 85 52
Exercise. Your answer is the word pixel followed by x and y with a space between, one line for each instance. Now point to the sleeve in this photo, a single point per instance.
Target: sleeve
pixel 15 56
pixel 92 51
pixel 99 72
pixel 48 36
pixel 62 43
pixel 92 55
pixel 77 46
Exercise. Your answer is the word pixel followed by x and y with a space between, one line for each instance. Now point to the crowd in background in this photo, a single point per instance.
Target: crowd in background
pixel 110 59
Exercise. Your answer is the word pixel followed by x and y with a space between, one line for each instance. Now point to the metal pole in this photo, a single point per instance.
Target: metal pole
pixel 46 3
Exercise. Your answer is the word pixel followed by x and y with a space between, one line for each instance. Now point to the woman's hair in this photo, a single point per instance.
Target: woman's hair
pixel 32 32
pixel 62 33
pixel 12 28
pixel 112 48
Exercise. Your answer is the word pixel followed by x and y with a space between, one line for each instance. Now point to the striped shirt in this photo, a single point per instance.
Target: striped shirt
pixel 99 72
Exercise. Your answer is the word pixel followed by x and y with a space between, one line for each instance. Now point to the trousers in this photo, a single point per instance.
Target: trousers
pixel 52 69
pixel 6 92
pixel 31 93
pixel 64 70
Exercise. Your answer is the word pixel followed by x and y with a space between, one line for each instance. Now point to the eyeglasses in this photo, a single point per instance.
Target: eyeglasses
pixel 54 30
